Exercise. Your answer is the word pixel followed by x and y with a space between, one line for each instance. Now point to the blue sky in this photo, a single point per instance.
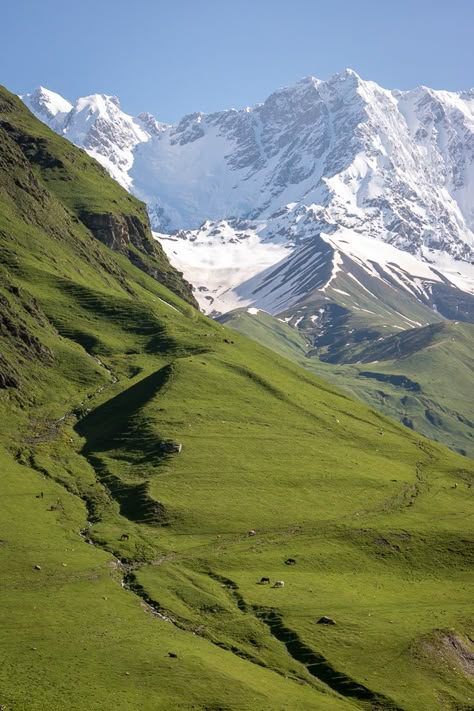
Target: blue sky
pixel 172 58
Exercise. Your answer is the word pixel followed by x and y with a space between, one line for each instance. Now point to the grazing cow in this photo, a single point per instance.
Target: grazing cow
pixel 252 533
pixel 264 580
pixel 279 584
pixel 290 561
pixel 172 655
pixel 124 537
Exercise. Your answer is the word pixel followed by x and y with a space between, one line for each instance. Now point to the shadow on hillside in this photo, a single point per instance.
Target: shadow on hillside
pixel 318 666
pixel 127 315
pixel 117 425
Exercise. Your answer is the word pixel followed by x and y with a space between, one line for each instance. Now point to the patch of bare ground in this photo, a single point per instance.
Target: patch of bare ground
pixel 462 650
pixel 453 650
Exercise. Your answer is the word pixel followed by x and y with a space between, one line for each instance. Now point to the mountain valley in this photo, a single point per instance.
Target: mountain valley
pixel 185 506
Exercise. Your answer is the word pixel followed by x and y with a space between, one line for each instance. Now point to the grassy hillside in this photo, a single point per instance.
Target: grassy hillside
pixel 53 169
pixel 421 376
pixel 116 553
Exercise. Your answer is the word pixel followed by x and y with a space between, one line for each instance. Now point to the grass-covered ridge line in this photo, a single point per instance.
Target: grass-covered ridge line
pixel 100 364
pixel 421 377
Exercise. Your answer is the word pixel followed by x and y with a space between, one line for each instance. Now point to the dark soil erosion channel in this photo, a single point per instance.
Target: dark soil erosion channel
pixel 233 589
pixel 318 666
pixel 129 582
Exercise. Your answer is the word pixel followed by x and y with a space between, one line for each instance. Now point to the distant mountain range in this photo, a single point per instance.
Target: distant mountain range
pixel 301 176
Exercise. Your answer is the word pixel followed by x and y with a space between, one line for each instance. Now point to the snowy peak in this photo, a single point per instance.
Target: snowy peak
pixel 102 112
pixel 47 105
pixel 98 105
pixel 98 124
pixel 149 124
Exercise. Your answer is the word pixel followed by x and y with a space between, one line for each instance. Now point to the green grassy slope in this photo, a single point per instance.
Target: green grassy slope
pixel 86 193
pixel 422 376
pixel 142 553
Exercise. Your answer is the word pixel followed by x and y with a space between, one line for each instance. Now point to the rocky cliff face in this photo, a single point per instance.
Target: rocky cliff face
pixel 131 236
pixel 118 232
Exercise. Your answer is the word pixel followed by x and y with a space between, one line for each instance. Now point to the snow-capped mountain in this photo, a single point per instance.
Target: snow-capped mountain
pixel 97 124
pixel 51 107
pixel 259 206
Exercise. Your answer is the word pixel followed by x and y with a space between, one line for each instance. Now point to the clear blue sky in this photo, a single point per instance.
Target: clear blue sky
pixel 174 57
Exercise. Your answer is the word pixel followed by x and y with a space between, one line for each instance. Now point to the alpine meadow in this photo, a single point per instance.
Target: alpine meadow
pixel 236 387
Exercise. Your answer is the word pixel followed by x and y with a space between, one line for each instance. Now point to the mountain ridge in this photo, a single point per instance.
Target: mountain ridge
pixel 314 158
pixel 306 106
pixel 419 376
